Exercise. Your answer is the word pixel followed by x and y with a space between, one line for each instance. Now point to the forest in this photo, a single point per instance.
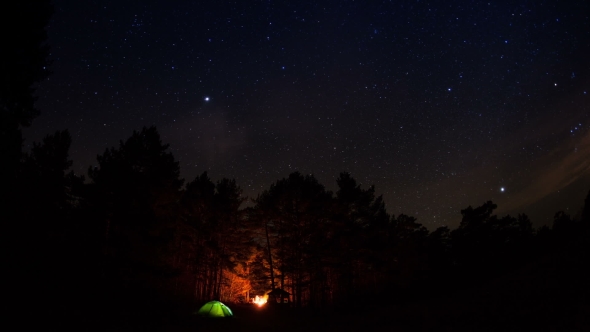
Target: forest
pixel 132 235
pixel 135 233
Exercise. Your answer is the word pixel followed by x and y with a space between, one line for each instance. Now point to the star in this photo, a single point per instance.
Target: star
pixel 206 98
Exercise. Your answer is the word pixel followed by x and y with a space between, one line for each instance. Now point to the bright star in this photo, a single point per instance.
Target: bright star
pixel 206 98
pixel 502 189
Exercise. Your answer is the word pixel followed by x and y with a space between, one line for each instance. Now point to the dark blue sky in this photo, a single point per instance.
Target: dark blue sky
pixel 439 105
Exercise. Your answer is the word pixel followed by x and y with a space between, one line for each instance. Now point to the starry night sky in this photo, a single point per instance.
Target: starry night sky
pixel 439 105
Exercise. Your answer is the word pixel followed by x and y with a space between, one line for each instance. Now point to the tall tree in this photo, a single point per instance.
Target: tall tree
pixel 196 237
pixel 45 201
pixel 408 239
pixel 294 208
pixel 44 179
pixel 585 225
pixel 585 219
pixel 358 217
pixel 231 235
pixel 486 245
pixel 23 63
pixel 439 253
pixel 216 237
pixel 135 191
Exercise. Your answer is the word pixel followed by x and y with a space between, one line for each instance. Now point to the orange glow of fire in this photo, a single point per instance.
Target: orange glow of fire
pixel 260 301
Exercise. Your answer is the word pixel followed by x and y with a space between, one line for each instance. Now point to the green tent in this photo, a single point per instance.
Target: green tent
pixel 215 309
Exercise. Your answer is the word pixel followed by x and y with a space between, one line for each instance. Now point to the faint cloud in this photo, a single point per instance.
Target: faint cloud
pixel 555 170
pixel 211 137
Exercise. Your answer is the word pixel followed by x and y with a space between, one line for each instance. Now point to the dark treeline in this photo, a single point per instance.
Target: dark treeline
pixel 135 234
pixel 131 234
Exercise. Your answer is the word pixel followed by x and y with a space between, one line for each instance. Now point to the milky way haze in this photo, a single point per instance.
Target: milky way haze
pixel 437 105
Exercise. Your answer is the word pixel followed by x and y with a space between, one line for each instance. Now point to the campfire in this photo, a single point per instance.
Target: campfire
pixel 259 301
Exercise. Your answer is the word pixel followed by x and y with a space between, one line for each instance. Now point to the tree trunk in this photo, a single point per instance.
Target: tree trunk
pixel 272 277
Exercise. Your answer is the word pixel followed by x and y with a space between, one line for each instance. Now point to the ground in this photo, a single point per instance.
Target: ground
pixel 432 315
pixel 546 296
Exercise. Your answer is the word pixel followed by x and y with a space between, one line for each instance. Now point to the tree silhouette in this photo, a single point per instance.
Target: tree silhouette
pixel 585 226
pixel 485 245
pixel 440 258
pixel 295 208
pixel 23 63
pixel 134 195
pixel 43 176
pixel 24 60
pixel 585 219
pixel 216 242
pixel 470 245
pixel 408 250
pixel 358 219
pixel 46 203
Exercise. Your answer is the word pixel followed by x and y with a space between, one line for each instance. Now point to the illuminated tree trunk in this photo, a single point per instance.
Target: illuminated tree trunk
pixel 272 277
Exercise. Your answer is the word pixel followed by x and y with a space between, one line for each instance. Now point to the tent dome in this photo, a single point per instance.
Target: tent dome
pixel 215 309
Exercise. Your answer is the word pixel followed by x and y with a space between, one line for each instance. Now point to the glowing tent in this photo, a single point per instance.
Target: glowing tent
pixel 215 309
